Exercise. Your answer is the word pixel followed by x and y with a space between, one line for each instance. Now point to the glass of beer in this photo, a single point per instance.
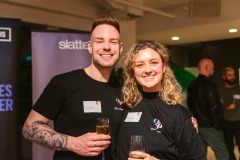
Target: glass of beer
pixel 103 128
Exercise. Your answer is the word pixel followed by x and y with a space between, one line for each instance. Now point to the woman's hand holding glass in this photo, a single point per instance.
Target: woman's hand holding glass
pixel 137 149
pixel 136 155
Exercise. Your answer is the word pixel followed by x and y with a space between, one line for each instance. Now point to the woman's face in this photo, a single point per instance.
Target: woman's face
pixel 148 70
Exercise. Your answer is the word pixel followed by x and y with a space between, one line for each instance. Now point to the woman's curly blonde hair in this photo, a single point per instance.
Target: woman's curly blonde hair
pixel 171 92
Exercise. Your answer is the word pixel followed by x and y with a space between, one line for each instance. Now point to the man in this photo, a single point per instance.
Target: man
pixel 76 99
pixel 204 102
pixel 230 96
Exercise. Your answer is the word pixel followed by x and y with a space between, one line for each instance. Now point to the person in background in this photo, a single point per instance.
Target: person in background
pixel 152 98
pixel 204 102
pixel 230 96
pixel 74 101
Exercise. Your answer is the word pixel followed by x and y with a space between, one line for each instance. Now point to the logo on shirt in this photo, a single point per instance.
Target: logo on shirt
pixel 116 108
pixel 157 125
pixel 119 102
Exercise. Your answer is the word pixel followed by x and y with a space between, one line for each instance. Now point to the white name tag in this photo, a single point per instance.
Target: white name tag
pixel 236 96
pixel 92 107
pixel 133 117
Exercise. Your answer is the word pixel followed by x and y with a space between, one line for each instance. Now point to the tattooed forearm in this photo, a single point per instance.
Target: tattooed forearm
pixel 44 135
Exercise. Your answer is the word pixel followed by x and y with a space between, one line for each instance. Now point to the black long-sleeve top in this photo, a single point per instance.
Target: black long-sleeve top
pixel 168 131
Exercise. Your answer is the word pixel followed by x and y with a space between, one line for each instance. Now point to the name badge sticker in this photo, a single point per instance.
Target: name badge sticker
pixel 92 107
pixel 236 96
pixel 133 117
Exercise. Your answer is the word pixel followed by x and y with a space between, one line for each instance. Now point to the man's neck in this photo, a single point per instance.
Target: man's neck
pixel 227 85
pixel 101 74
pixel 205 75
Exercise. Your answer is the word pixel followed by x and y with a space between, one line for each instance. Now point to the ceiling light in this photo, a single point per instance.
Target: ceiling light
pixel 232 30
pixel 175 38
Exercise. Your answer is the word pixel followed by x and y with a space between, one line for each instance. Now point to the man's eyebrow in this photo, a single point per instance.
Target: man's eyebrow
pixel 98 38
pixel 115 39
pixel 109 38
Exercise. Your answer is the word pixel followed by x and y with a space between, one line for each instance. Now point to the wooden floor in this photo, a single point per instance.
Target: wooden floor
pixel 210 155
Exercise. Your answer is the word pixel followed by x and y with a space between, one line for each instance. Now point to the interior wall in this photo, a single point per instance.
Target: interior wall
pixel 224 53
pixel 128 36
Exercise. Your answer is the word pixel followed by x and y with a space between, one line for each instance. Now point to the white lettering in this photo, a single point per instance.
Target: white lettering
pixel 118 108
pixel 2 34
pixel 5 34
pixel 77 44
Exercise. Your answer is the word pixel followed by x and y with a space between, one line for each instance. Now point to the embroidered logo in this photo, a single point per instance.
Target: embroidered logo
pixel 157 125
pixel 118 101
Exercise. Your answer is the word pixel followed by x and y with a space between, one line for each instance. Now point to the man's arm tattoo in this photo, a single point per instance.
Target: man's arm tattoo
pixel 44 135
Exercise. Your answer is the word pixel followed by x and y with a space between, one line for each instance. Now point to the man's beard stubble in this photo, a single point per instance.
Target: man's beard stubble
pixel 230 82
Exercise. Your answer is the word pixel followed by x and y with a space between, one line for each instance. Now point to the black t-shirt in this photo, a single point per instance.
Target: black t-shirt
pixel 168 131
pixel 74 101
pixel 229 96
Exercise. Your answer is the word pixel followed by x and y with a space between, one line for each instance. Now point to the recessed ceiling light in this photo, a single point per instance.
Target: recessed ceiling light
pixel 175 38
pixel 232 30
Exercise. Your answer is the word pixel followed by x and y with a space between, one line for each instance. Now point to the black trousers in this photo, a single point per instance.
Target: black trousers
pixel 232 129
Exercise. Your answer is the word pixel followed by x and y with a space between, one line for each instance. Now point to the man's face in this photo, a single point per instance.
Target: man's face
pixel 105 46
pixel 229 77
pixel 210 69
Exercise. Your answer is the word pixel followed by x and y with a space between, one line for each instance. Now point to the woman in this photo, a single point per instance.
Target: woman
pixel 152 97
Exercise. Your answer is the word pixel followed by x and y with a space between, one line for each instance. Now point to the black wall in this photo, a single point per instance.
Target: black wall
pixel 224 53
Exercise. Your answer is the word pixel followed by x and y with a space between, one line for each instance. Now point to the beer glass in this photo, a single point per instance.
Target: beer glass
pixel 103 127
